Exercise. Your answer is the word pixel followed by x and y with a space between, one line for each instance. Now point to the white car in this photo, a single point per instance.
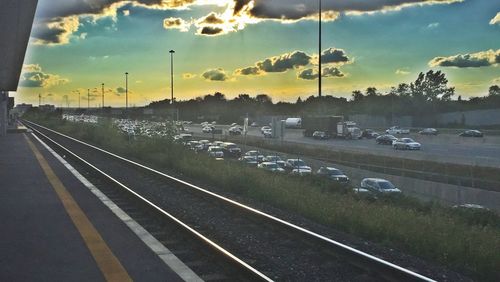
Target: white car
pixel 397 130
pixel 379 185
pixel 216 152
pixel 405 144
pixel 207 129
pixel 298 166
pixel 265 128
pixel 270 166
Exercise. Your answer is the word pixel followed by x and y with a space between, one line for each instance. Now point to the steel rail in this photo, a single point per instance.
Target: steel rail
pixel 385 268
pixel 212 244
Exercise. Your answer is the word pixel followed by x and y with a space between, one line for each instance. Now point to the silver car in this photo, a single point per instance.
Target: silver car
pixel 379 185
pixel 405 144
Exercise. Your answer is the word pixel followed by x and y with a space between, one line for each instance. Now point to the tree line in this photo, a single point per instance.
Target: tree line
pixel 427 96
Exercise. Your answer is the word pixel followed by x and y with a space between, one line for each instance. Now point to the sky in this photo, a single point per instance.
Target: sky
pixel 253 47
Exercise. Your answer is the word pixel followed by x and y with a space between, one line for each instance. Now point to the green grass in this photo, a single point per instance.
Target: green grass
pixel 465 241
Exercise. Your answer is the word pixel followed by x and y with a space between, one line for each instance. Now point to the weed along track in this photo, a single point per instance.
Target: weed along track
pixel 257 245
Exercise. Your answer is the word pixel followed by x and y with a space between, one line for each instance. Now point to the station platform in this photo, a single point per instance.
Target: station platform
pixel 53 228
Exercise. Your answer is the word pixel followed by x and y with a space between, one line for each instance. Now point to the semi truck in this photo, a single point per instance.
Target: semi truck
pixel 293 122
pixel 333 126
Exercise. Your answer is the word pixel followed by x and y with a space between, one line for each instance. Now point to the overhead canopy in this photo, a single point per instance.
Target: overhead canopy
pixel 16 20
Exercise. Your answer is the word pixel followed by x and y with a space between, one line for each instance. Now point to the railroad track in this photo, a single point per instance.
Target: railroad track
pixel 183 216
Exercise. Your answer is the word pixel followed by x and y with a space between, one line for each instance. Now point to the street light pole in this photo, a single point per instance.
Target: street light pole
pixel 126 91
pixel 172 78
pixel 39 99
pixel 88 99
pixel 319 51
pixel 102 95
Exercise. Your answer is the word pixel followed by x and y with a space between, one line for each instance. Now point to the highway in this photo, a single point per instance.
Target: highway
pixel 441 148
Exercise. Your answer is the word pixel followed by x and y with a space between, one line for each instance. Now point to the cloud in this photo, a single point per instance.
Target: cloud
pixel 311 74
pixel 248 71
pixel 299 9
pixel 215 75
pixel 432 25
pixel 210 30
pixel 211 18
pixel 188 75
pixel 295 60
pixel 33 76
pixel 402 71
pixel 56 23
pixel 284 62
pixel 332 55
pixel 57 31
pixel 496 19
pixel 176 23
pixel 472 60
pixel 120 90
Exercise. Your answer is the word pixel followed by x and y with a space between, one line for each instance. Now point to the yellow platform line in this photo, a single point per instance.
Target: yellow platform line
pixel 107 262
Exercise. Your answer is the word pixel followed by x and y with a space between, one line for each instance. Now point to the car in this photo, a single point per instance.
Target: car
pixel 471 133
pixel 428 131
pixel 233 124
pixel 216 152
pixel 264 128
pixel 405 144
pixel 204 144
pixel 256 154
pixel 192 145
pixel 274 159
pixel 379 185
pixel 268 133
pixel 302 171
pixel 397 130
pixel 254 124
pixel 235 130
pixel 297 166
pixel 249 160
pixel 271 166
pixel 217 143
pixel 369 134
pixel 333 174
pixel 207 129
pixel 385 139
pixel 470 207
pixel 231 150
pixel 320 135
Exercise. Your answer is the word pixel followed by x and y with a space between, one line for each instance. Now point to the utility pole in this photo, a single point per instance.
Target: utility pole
pixel 102 95
pixel 39 100
pixel 126 91
pixel 88 98
pixel 172 82
pixel 319 51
